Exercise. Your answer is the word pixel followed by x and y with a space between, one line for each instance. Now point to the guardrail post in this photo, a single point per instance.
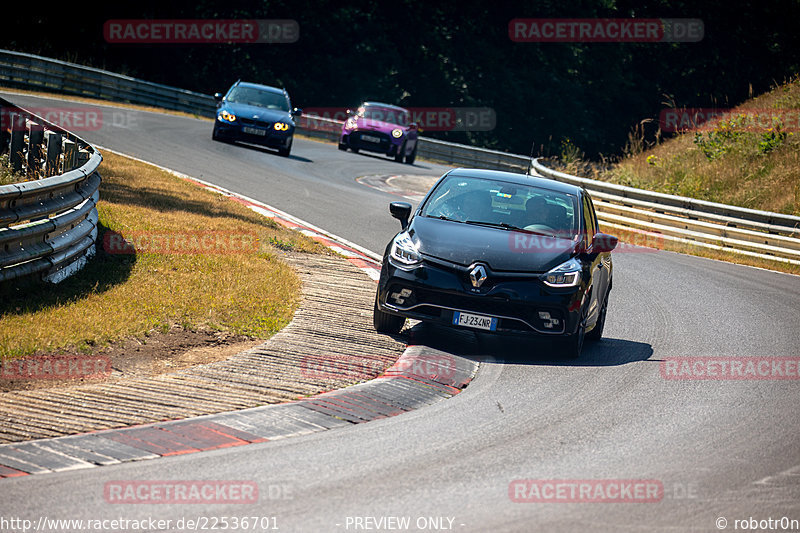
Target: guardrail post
pixel 70 155
pixel 16 149
pixel 82 157
pixel 35 140
pixel 53 150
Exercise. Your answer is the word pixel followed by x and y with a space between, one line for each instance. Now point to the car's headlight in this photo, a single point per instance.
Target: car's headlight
pixel 567 274
pixel 404 251
pixel 281 126
pixel 230 117
pixel 397 133
pixel 351 124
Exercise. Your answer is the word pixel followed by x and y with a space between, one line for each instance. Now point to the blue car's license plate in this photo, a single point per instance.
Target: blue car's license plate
pixel 474 321
pixel 254 131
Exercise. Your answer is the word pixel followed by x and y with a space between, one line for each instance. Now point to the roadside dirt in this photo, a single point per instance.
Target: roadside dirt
pixel 154 354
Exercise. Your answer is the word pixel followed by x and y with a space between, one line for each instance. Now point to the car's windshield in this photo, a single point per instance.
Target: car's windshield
pixel 384 114
pixel 258 97
pixel 498 203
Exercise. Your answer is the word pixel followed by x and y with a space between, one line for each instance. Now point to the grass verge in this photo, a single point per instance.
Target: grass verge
pixel 736 160
pixel 239 286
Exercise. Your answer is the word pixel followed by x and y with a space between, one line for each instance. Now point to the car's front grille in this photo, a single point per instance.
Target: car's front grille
pixel 256 123
pixel 519 316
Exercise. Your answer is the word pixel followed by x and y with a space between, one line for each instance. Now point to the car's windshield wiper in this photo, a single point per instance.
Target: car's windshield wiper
pixel 442 217
pixel 507 226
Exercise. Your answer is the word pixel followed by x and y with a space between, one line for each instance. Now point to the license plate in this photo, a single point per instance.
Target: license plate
pixel 474 321
pixel 370 139
pixel 254 131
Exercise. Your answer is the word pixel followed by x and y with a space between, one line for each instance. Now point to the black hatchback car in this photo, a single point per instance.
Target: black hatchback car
pixel 257 114
pixel 498 252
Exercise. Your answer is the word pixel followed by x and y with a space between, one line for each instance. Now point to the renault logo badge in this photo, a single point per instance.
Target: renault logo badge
pixel 477 275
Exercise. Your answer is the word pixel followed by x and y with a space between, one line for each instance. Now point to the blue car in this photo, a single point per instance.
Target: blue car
pixel 257 114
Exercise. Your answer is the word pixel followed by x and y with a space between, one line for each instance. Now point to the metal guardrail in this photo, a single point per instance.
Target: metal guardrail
pixel 48 225
pixel 761 234
pixel 432 149
pixel 747 231
pixel 27 71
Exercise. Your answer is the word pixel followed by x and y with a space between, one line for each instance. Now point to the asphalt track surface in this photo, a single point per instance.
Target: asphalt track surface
pixel 719 448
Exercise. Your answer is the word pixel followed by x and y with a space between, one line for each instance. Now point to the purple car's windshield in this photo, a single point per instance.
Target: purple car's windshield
pixel 384 114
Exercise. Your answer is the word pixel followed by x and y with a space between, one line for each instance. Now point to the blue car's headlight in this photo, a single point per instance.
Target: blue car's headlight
pixel 397 133
pixel 404 251
pixel 281 126
pixel 567 274
pixel 230 117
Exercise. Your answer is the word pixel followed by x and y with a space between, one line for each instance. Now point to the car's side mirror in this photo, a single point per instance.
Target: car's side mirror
pixel 413 126
pixel 218 97
pixel 603 242
pixel 349 112
pixel 401 211
pixel 296 112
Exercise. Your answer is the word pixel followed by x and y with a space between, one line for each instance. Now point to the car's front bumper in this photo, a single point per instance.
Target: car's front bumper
pixel 238 132
pixel 385 144
pixel 521 302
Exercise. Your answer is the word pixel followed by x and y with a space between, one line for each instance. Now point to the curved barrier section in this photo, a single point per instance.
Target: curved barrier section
pixel 761 234
pixel 28 71
pixel 48 225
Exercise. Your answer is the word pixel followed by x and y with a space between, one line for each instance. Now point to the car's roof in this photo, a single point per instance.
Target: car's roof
pixel 381 104
pixel 259 86
pixel 518 179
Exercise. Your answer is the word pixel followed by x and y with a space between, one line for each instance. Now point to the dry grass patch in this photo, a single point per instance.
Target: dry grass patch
pixel 245 291
pixel 726 161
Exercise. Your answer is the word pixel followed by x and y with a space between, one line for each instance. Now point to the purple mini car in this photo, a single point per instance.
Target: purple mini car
pixel 382 128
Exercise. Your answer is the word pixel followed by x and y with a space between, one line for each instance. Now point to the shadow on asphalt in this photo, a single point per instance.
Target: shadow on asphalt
pixel 380 157
pixel 266 150
pixel 528 350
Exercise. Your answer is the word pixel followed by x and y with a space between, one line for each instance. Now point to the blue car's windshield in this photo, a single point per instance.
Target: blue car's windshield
pixel 258 97
pixel 498 203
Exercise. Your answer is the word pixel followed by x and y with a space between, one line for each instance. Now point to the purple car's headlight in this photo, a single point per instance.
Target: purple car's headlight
pixel 350 124
pixel 397 133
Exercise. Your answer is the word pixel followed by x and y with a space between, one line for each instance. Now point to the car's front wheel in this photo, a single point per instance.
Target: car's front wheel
pixel 286 150
pixel 342 147
pixel 597 331
pixel 573 345
pixel 386 323
pixel 410 158
pixel 400 153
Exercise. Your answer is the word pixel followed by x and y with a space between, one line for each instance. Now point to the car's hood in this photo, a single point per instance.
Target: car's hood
pixel 252 111
pixel 377 125
pixel 500 249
